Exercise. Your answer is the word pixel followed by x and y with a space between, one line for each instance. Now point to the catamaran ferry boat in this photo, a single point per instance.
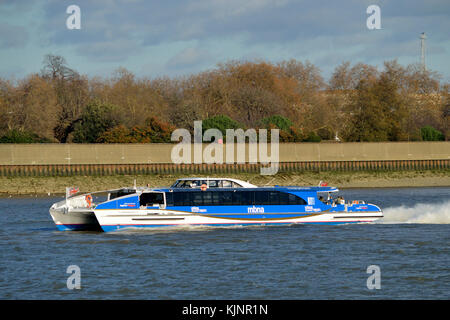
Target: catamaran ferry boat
pixel 168 207
pixel 76 211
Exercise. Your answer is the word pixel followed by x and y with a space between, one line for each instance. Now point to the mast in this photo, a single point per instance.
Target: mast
pixel 422 47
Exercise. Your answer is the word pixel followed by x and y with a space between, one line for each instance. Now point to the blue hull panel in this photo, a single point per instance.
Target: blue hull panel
pixel 77 227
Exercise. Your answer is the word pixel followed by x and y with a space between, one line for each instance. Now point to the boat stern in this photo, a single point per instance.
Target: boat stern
pixel 73 219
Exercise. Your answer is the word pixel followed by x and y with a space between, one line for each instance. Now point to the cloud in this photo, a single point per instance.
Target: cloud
pixel 193 34
pixel 109 51
pixel 188 58
pixel 261 21
pixel 12 36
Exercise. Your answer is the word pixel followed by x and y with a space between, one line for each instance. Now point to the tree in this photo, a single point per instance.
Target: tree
pixel 95 120
pixel 308 77
pixel 248 92
pixel 55 68
pixel 359 103
pixel 39 107
pixel 118 134
pixel 154 131
pixel 378 107
pixel 368 121
pixel 346 78
pixel 71 91
pixel 288 132
pixel 278 121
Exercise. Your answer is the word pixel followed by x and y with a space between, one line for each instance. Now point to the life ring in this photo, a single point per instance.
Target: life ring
pixel 89 200
pixel 203 187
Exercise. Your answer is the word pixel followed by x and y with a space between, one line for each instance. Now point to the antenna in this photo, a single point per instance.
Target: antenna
pixel 422 47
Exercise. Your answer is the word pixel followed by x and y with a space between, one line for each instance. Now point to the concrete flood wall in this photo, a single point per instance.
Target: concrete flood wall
pixel 106 159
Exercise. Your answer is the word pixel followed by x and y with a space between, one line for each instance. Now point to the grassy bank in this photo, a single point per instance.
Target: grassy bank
pixel 56 185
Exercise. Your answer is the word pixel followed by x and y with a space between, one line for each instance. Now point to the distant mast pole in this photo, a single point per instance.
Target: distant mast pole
pixel 422 47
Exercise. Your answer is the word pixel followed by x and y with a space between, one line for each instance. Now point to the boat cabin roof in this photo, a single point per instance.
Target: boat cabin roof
pixel 196 182
pixel 274 188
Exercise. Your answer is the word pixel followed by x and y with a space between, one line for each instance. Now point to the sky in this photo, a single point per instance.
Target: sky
pixel 176 38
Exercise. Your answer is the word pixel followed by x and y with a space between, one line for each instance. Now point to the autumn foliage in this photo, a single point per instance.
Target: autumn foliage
pixel 358 103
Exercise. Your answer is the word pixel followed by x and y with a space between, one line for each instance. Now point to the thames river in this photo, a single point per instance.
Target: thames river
pixel 406 255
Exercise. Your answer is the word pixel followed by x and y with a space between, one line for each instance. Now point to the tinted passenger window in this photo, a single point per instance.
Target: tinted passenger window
pixel 243 198
pixel 181 198
pixel 227 198
pixel 293 199
pixel 207 198
pixel 261 198
pixel 149 199
pixel 197 198
pixel 169 199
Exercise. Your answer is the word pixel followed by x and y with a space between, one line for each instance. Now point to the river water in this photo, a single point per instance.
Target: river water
pixel 406 256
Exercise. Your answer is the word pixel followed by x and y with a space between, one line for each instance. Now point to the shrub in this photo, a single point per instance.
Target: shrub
pixel 220 122
pixel 21 136
pixel 431 134
pixel 278 121
pixel 312 137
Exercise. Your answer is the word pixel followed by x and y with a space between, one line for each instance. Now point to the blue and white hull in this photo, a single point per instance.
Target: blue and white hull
pixel 111 220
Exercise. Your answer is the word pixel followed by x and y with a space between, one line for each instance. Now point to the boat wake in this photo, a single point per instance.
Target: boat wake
pixel 420 213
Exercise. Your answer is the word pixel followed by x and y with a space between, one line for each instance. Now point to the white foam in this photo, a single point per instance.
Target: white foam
pixel 420 213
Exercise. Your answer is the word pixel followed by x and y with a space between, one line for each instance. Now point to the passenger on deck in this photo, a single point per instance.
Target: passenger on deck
pixel 340 200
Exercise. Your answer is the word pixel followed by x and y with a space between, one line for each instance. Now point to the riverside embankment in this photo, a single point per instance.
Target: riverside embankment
pixel 49 168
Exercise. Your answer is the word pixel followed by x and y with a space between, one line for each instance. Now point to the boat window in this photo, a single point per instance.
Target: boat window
pixel 213 183
pixel 261 198
pixel 176 184
pixel 274 197
pixel 226 184
pixel 226 198
pixel 197 198
pixel 216 198
pixel 237 198
pixel 192 184
pixel 180 184
pixel 236 185
pixel 181 198
pixel 283 198
pixel 150 199
pixel 121 193
pixel 293 199
pixel 247 198
pixel 243 198
pixel 207 199
pixel 187 184
pixel 169 199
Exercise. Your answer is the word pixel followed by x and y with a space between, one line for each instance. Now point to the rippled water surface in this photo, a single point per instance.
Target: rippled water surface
pixel 410 246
